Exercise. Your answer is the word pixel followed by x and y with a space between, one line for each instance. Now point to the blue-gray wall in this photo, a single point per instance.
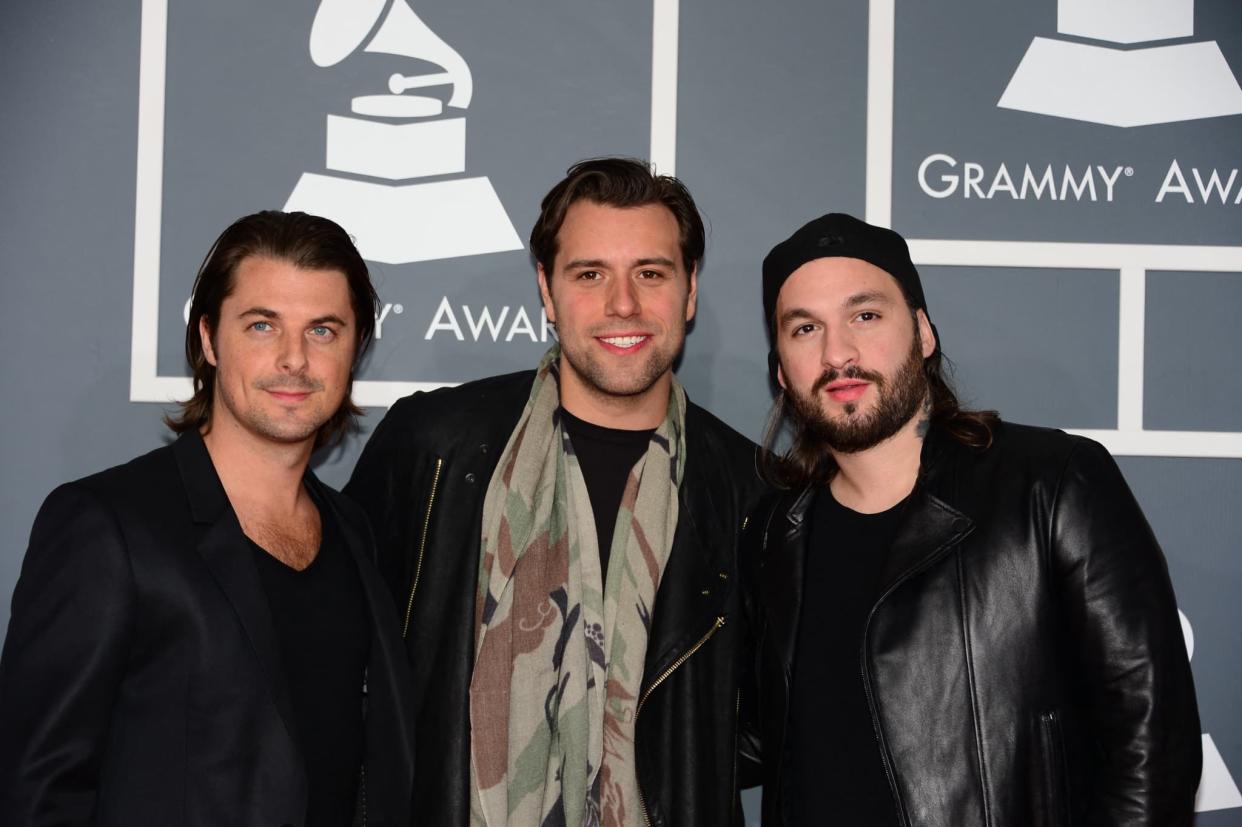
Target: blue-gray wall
pixel 1104 314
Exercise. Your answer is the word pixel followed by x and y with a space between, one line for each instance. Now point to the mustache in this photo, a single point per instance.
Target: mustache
pixel 852 372
pixel 294 384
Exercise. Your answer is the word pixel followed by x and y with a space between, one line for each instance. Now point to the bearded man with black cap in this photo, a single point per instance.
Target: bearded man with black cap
pixel 958 621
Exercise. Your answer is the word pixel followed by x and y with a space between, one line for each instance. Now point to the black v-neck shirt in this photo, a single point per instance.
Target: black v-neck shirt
pixel 835 769
pixel 606 457
pixel 323 628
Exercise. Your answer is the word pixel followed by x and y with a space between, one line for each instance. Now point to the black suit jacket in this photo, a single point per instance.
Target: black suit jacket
pixel 141 681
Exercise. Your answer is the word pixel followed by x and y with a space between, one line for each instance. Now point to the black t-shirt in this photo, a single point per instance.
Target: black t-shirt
pixel 835 770
pixel 606 457
pixel 324 631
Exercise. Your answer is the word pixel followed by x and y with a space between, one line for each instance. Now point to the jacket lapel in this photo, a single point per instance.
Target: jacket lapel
pixel 694 586
pixel 928 529
pixel 781 572
pixel 930 526
pixel 223 548
pixel 389 724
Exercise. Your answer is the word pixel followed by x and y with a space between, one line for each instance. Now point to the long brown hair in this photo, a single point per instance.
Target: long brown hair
pixel 807 461
pixel 305 241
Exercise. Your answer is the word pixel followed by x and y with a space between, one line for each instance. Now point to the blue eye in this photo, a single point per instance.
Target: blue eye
pixel 262 327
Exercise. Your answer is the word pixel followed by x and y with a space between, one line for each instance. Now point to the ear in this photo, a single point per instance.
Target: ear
pixel 204 336
pixel 545 294
pixel 926 337
pixel 780 375
pixel 692 301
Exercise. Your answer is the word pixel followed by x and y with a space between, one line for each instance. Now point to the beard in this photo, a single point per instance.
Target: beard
pixel 899 399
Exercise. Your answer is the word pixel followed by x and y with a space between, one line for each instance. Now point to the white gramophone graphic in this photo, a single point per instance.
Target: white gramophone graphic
pixel 400 137
pixel 1124 87
pixel 1217 790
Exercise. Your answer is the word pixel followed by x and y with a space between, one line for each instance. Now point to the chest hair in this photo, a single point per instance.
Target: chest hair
pixel 293 542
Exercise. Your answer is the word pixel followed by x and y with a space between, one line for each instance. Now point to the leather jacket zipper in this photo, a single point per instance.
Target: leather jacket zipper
pixel 866 680
pixel 422 546
pixel 1050 734
pixel 685 656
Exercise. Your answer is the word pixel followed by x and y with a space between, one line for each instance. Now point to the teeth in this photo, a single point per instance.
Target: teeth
pixel 622 341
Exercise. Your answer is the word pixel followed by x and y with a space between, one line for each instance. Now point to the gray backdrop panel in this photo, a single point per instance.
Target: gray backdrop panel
pixel 771 131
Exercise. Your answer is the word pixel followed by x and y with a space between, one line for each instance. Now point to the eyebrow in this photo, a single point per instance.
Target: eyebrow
pixel 599 262
pixel 795 313
pixel 268 313
pixel 584 262
pixel 870 297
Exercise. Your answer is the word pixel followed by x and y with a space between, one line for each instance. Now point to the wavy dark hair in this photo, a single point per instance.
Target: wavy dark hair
pixel 305 241
pixel 617 182
pixel 808 461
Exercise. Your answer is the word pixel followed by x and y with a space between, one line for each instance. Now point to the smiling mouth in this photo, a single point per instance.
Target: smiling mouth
pixel 624 343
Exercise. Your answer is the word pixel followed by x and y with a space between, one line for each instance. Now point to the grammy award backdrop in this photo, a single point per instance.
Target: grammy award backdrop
pixel 1067 172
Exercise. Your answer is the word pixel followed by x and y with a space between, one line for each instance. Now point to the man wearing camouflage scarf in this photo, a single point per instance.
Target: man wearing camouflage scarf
pixel 563 542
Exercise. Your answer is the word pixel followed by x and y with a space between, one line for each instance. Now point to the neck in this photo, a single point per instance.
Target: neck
pixel 636 412
pixel 878 478
pixel 256 473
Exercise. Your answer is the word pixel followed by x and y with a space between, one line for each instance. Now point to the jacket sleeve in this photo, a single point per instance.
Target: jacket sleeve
pixel 1122 613
pixel 64 659
pixel 392 484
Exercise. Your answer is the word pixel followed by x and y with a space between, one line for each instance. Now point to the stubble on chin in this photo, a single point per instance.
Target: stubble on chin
pixel 599 380
pixel 282 427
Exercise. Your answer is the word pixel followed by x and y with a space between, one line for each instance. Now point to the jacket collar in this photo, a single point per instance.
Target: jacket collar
pixel 930 525
pixel 928 528
pixel 202 485
pixel 223 547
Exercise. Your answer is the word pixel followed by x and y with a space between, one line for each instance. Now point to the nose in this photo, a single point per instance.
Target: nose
pixel 293 353
pixel 840 347
pixel 622 298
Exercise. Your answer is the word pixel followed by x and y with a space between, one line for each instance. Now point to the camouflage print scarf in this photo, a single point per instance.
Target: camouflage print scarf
pixel 559 659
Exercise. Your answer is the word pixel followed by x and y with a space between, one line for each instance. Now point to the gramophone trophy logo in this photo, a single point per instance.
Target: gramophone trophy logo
pixel 1217 789
pixel 379 157
pixel 1116 86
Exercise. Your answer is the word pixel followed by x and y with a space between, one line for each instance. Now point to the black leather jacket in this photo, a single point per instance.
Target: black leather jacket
pixel 1023 663
pixel 422 479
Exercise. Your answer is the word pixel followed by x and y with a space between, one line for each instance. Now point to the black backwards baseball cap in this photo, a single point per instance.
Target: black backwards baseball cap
pixel 837 235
